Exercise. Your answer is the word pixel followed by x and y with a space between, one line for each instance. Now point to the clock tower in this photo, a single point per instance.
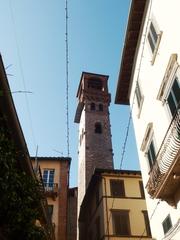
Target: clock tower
pixel 92 114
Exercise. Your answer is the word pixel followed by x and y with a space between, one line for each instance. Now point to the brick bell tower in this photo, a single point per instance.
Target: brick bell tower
pixel 92 114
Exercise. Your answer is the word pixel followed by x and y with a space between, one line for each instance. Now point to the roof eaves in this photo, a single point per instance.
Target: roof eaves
pixel 135 24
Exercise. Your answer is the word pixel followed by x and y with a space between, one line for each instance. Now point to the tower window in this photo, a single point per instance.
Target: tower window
pixel 95 83
pixel 93 106
pixel 98 128
pixel 100 107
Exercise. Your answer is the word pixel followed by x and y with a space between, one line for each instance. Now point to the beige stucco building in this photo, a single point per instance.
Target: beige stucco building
pixel 55 176
pixel 149 80
pixel 114 207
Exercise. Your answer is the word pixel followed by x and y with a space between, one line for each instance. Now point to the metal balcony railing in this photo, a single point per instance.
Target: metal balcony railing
pixel 166 156
pixel 51 187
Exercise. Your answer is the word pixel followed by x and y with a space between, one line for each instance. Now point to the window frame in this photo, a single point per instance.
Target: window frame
pixel 119 226
pixel 153 33
pixel 48 183
pixel 151 154
pixel 92 106
pixel 98 128
pixel 146 143
pixel 114 193
pixel 141 188
pixel 50 210
pixel 100 106
pixel 139 97
pixel 166 230
pixel 172 74
pixel 173 96
pixel 147 223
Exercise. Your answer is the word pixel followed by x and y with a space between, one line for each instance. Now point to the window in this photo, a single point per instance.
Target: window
pixel 48 178
pixel 98 128
pixel 138 95
pixel 121 224
pixel 169 92
pixel 50 211
pixel 167 224
pixel 93 107
pixel 100 107
pixel 173 98
pixel 151 154
pixel 146 221
pixel 117 188
pixel 97 195
pixel 98 233
pixel 141 189
pixel 152 37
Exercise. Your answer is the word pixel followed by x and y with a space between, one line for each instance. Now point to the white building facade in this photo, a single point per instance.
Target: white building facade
pixel 149 80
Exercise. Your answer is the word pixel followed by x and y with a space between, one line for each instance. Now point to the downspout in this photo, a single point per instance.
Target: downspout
pixel 107 221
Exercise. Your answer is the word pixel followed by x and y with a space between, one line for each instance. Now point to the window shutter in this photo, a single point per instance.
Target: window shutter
pixel 117 188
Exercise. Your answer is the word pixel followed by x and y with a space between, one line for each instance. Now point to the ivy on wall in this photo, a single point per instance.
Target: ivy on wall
pixel 20 197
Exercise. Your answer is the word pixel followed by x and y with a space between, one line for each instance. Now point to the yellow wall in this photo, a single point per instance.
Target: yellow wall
pixel 53 165
pixel 132 202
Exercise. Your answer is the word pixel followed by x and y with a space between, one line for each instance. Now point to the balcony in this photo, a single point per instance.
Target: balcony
pixel 164 180
pixel 51 190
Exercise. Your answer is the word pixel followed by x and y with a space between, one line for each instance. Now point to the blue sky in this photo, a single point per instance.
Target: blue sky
pixel 32 44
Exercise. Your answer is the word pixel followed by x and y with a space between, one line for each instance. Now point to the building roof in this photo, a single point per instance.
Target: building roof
pixel 90 75
pixel 98 172
pixel 80 106
pixel 61 159
pixel 136 18
pixel 9 114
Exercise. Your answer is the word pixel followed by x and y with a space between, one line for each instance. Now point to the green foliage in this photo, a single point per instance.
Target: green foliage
pixel 19 198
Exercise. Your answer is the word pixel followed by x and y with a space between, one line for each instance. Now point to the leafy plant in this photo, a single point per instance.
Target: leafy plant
pixel 20 198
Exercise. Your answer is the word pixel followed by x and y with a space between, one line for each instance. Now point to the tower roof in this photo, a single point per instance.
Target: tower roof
pixel 87 76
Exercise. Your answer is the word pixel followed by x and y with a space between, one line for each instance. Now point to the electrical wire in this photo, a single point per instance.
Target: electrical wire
pixel 130 114
pixel 136 86
pixel 22 74
pixel 67 79
pixel 150 219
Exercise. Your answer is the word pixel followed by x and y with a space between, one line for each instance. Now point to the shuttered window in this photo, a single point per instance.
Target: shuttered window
pixel 152 37
pixel 121 224
pixel 146 221
pixel 167 224
pixel 98 232
pixel 117 188
pixel 173 99
pixel 151 154
pixel 141 189
pixel 138 95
